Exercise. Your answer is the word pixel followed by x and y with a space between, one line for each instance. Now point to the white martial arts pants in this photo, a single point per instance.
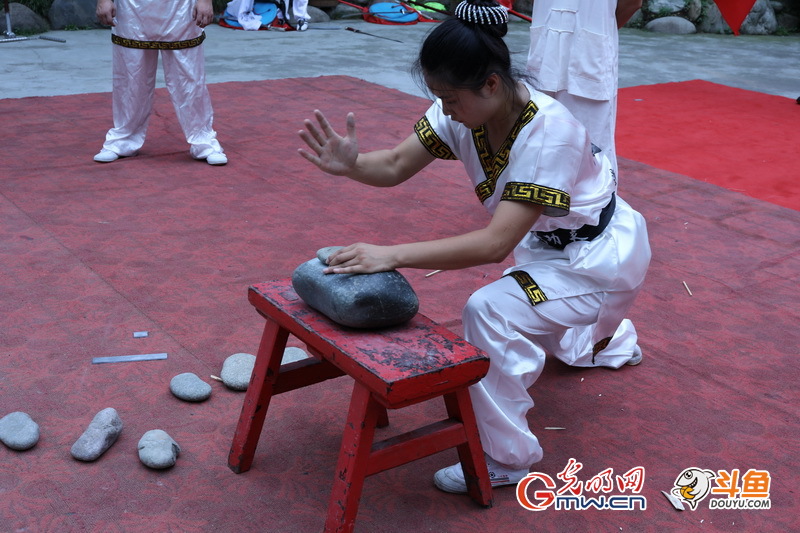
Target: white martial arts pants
pixel 300 9
pixel 500 320
pixel 134 89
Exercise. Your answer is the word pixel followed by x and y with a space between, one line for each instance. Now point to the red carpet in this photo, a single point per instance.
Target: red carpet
pixel 741 140
pixel 90 253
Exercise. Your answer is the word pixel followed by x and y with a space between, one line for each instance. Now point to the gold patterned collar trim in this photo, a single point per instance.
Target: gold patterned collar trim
pixel 493 165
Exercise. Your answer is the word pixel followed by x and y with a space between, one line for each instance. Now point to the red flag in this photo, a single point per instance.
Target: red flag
pixel 734 12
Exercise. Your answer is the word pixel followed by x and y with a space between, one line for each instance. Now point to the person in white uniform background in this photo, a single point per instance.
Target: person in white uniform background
pixel 295 13
pixel 141 29
pixel 573 57
pixel 581 253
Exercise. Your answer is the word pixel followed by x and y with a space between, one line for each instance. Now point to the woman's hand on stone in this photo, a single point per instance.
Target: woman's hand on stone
pixel 361 258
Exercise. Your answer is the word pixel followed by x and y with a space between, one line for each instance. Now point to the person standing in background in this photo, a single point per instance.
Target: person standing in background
pixel 573 57
pixel 140 30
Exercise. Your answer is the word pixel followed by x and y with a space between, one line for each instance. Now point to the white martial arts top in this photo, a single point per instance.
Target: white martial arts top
pixel 547 160
pixel 156 20
pixel 574 47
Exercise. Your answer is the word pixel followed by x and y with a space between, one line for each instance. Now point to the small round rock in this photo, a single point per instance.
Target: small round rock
pixel 237 369
pixel 189 387
pixel 18 431
pixel 292 354
pixel 158 450
pixel 102 432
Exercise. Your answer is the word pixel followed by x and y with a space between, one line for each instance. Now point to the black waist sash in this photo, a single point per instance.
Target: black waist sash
pixel 158 45
pixel 560 238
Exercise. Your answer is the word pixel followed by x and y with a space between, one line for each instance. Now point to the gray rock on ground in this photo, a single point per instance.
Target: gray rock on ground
pixel 73 13
pixel 99 436
pixel 292 354
pixel 237 369
pixel 24 19
pixel 315 15
pixel 671 25
pixel 189 387
pixel 18 431
pixel 761 20
pixel 355 300
pixel 158 450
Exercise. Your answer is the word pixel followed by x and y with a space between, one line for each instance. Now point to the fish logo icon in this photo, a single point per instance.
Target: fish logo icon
pixel 692 485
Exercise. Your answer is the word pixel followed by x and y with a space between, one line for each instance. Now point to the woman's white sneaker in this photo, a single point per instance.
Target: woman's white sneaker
pixel 451 478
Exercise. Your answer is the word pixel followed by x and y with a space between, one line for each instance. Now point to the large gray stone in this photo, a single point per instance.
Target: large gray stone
pixel 189 387
pixel 787 21
pixel 713 22
pixel 23 19
pixel 663 8
pixel 18 431
pixel 694 10
pixel 99 436
pixel 356 300
pixel 761 20
pixel 237 369
pixel 73 13
pixel 672 25
pixel 158 450
pixel 316 15
pixel 343 11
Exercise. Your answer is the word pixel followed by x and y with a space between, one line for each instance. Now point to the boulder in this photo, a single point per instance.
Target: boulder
pixel 713 22
pixel 788 21
pixel 761 20
pixel 315 14
pixel 673 25
pixel 356 300
pixel 663 8
pixel 73 13
pixel 25 20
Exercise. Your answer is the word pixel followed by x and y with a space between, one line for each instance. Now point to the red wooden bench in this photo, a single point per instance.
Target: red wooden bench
pixel 391 368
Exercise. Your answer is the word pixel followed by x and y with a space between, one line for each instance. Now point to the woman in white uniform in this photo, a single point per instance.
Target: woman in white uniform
pixel 581 252
pixel 142 29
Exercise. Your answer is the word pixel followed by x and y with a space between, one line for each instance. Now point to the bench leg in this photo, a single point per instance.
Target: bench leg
pixel 257 397
pixel 383 417
pixel 351 467
pixel 473 463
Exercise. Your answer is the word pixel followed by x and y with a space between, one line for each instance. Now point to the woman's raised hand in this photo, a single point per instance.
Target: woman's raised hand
pixel 331 152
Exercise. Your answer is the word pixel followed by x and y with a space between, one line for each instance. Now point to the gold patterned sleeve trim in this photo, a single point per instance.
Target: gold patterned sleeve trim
pixel 431 141
pixel 531 289
pixel 555 201
pixel 158 45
